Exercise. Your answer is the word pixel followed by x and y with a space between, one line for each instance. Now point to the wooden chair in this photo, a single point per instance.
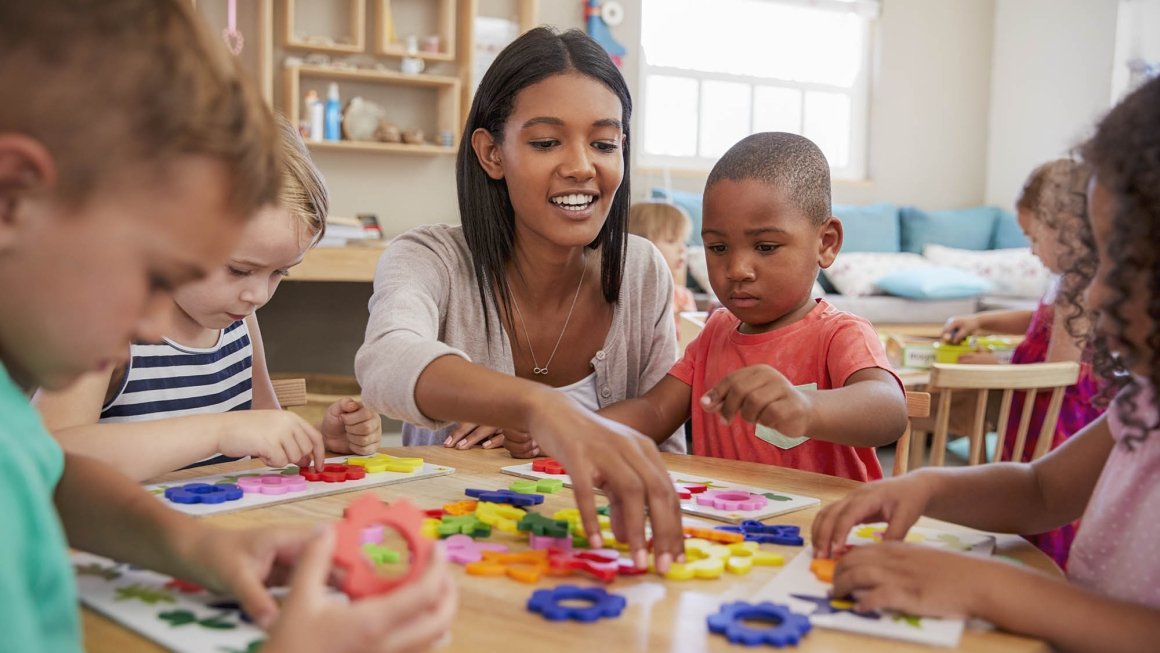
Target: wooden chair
pixel 290 392
pixel 981 379
pixel 917 405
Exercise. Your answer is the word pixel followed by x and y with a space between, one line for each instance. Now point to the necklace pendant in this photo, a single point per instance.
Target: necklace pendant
pixel 541 371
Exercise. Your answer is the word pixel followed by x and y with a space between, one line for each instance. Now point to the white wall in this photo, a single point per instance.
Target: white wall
pixel 1051 79
pixel 928 107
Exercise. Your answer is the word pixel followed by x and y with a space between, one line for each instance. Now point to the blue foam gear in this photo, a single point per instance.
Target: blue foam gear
pixel 505 496
pixel 755 531
pixel 729 621
pixel 604 604
pixel 191 493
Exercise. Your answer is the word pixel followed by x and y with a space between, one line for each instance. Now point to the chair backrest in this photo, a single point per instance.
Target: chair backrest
pixel 290 392
pixel 917 405
pixel 1033 379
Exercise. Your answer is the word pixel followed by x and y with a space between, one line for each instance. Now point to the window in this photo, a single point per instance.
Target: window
pixel 715 71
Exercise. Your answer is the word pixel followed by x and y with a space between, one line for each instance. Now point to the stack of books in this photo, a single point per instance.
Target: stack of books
pixel 361 230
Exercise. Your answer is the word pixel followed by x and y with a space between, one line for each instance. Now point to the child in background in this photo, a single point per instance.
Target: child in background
pixel 1053 213
pixel 668 227
pixel 189 398
pixel 1109 471
pixel 811 383
pixel 127 167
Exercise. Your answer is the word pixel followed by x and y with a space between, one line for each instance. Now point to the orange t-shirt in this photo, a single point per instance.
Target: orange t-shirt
pixel 824 348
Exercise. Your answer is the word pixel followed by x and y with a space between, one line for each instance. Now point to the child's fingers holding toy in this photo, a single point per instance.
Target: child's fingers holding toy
pixel 899 502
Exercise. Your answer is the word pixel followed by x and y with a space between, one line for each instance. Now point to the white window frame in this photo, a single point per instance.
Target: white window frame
pixel 858 92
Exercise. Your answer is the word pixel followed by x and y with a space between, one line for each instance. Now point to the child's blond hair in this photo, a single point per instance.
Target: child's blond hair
pixel 659 222
pixel 118 91
pixel 303 192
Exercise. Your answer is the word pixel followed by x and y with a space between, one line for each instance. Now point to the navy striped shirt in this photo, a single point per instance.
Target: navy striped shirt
pixel 172 380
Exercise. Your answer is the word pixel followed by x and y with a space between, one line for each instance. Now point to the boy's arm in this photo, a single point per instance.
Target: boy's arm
pixel 263 388
pixel 869 411
pixel 658 412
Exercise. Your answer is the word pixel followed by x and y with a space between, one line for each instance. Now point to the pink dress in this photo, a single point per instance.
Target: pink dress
pixel 1076 412
pixel 1115 551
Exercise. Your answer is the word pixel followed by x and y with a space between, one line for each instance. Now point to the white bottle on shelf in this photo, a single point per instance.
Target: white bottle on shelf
pixel 314 115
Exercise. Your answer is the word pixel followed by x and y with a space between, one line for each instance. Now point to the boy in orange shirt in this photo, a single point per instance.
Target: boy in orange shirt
pixel 811 384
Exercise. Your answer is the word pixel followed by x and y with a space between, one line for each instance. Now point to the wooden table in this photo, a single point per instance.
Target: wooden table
pixel 662 615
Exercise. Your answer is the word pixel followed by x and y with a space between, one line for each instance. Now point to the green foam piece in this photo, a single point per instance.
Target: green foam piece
pixel 541 525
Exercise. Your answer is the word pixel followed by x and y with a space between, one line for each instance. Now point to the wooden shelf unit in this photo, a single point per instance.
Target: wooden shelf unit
pixel 447 113
pixel 445 30
pixel 353 263
pixel 358 30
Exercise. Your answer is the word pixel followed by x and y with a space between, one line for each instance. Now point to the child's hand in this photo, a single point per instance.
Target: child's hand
pixel 914 579
pixel 467 435
pixel 410 618
pixel 520 445
pixel 959 327
pixel 899 502
pixel 351 427
pixel 278 437
pixel 761 395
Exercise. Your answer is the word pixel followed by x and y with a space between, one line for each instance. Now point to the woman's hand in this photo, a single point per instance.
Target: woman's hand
pixel 467 435
pixel 600 453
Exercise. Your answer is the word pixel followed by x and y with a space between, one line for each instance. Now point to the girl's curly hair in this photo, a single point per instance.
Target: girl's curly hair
pixel 1124 154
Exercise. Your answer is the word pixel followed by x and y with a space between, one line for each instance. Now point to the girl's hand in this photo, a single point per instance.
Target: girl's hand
pixel 278 437
pixel 960 327
pixel 600 453
pixel 914 579
pixel 410 618
pixel 898 501
pixel 761 395
pixel 467 435
pixel 351 427
pixel 520 444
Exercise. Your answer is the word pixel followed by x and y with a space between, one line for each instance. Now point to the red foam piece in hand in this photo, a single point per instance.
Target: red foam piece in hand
pixel 362 579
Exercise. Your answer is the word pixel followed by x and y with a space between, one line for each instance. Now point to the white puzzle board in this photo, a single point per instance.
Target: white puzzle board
pixel 313 489
pixel 797 587
pixel 180 618
pixel 778 503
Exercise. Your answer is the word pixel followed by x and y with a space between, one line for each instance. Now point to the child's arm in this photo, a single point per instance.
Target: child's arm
pixel 868 411
pixel 105 513
pixel 658 412
pixel 924 581
pixel 263 388
pixel 146 449
pixel 1003 497
pixel 1003 321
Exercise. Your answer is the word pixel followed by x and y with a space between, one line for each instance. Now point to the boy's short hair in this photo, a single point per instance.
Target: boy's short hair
pixel 304 192
pixel 787 161
pixel 119 90
pixel 659 221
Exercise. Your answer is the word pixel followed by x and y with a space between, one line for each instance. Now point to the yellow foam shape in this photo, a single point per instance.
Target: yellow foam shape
pixel 381 462
pixel 572 516
pixel 500 516
pixel 768 559
pixel 430 528
pixel 739 564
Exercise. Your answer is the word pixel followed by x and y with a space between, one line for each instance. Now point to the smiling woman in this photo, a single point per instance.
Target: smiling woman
pixel 512 329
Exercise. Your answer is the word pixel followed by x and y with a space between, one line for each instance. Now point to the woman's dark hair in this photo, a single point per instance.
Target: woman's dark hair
pixel 484 204
pixel 1125 155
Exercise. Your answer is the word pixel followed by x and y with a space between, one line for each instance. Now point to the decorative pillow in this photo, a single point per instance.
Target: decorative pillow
pixel 854 273
pixel 933 282
pixel 691 203
pixel 869 228
pixel 962 228
pixel 1008 233
pixel 1012 272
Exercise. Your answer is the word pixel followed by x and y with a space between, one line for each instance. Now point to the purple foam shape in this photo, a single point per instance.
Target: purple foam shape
pixel 461 549
pixel 547 542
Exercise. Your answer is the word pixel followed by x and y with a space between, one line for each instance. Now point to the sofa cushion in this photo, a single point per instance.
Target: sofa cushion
pixel 690 202
pixel 854 273
pixel 933 282
pixel 1012 272
pixel 1008 233
pixel 869 228
pixel 962 228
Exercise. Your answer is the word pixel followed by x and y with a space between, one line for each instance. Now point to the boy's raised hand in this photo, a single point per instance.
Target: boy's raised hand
pixel 761 395
pixel 277 437
pixel 351 427
pixel 898 501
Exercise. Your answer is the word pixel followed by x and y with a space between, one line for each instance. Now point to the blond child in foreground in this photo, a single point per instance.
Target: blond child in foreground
pixel 1109 472
pixel 188 398
pixel 810 384
pixel 128 166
